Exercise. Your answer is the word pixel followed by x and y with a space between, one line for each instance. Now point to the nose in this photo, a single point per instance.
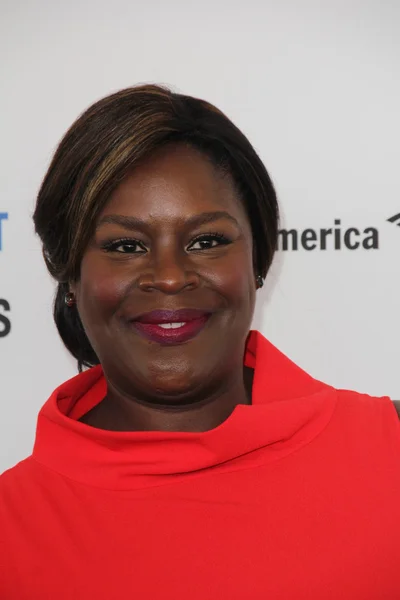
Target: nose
pixel 169 274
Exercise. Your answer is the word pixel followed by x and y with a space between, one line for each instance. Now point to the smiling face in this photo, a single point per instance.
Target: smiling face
pixel 167 288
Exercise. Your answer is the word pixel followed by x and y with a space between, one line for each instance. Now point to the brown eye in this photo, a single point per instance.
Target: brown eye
pixel 125 246
pixel 208 242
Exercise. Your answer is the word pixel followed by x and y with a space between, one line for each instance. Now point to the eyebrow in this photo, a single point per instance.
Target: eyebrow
pixel 133 223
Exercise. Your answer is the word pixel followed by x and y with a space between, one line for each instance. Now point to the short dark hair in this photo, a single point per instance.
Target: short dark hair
pixel 109 139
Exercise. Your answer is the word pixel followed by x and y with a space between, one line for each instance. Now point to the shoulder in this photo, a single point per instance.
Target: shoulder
pixel 396 404
pixel 364 425
pixel 17 482
pixel 15 473
pixel 365 403
pixel 363 412
pixel 24 486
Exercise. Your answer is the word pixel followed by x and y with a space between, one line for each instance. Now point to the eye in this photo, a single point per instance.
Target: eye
pixel 125 246
pixel 208 241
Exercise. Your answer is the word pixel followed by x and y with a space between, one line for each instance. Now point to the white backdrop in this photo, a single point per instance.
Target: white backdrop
pixel 316 87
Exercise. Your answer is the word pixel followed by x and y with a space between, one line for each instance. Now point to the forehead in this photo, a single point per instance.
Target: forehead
pixel 176 182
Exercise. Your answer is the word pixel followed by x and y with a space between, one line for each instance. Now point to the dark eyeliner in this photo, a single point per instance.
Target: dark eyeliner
pixel 215 236
pixel 111 245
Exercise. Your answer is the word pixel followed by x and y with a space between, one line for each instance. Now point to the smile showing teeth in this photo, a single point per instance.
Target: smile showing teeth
pixel 171 325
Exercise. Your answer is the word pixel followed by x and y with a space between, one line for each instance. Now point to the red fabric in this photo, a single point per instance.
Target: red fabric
pixel 294 497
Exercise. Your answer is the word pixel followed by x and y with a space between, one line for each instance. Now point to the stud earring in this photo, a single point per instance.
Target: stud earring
pixel 69 299
pixel 259 281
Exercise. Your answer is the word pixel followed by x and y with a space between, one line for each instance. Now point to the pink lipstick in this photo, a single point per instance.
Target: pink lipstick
pixel 168 327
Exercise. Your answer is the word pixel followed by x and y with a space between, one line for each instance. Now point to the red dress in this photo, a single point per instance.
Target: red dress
pixel 294 497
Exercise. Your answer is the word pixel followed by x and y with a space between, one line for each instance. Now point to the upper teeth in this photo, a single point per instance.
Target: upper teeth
pixel 171 325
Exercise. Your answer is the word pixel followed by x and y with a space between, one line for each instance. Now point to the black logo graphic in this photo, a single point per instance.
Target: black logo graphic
pixel 395 219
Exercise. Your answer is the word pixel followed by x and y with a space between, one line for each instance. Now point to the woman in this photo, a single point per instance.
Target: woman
pixel 189 458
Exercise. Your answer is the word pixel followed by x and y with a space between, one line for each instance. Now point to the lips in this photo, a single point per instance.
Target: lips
pixel 168 327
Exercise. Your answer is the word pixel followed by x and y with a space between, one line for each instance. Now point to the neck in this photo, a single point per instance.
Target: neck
pixel 122 412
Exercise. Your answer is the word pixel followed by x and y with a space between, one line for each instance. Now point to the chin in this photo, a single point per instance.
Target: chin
pixel 174 383
pixel 170 375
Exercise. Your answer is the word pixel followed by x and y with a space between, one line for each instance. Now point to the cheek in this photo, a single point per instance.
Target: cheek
pixel 235 279
pixel 100 288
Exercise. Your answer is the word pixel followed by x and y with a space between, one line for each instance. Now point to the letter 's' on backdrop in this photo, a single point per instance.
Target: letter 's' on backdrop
pixel 316 88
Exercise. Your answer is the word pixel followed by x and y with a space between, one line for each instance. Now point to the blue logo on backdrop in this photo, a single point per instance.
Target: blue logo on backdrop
pixel 3 217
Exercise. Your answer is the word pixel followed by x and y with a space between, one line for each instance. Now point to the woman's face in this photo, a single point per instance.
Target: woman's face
pixel 167 287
